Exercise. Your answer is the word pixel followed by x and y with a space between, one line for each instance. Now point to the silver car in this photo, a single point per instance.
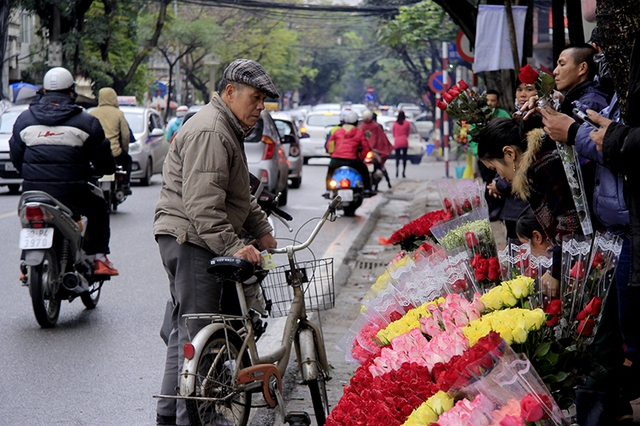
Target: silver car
pixel 266 156
pixel 9 176
pixel 290 137
pixel 317 125
pixel 150 148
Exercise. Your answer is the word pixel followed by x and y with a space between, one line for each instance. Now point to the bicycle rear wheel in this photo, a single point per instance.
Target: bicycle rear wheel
pixel 214 379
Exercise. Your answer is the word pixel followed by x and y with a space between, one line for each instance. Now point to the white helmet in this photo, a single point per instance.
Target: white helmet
pixel 350 117
pixel 367 115
pixel 182 111
pixel 58 79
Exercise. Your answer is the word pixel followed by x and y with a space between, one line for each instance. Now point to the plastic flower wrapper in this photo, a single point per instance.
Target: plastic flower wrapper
pixel 603 261
pixel 458 276
pixel 359 343
pixel 465 104
pixel 513 325
pixel 426 279
pixel 515 260
pixel 430 410
pixel 472 232
pixel 389 304
pixel 515 386
pixel 455 312
pixel 575 262
pixel 460 196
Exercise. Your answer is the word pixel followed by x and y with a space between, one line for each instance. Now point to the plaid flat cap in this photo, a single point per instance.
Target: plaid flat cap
pixel 252 73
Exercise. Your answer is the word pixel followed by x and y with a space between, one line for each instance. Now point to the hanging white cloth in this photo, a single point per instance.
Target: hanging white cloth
pixel 493 47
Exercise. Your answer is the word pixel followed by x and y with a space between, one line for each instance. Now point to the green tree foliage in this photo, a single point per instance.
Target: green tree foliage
pixel 416 35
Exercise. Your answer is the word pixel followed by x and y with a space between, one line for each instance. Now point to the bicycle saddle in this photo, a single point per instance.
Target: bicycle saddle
pixel 231 267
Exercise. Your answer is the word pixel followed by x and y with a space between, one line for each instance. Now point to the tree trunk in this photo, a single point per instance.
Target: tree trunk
pixel 119 84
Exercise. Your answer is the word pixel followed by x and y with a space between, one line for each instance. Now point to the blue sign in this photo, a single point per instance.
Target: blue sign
pixel 436 82
pixel 452 51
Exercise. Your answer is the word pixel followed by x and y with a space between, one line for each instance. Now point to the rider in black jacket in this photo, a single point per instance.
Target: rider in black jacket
pixel 58 147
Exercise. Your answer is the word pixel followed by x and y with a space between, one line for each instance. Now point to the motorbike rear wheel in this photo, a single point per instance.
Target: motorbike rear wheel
pixel 214 378
pixel 44 282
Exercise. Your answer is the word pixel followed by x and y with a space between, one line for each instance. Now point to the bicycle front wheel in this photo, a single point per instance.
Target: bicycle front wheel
pixel 214 379
pixel 318 389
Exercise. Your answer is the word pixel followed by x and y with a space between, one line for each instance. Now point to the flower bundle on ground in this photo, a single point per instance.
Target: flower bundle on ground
pixel 414 233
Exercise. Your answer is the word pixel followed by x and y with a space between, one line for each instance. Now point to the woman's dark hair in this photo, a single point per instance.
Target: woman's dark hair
pixel 501 132
pixel 527 223
pixel 401 117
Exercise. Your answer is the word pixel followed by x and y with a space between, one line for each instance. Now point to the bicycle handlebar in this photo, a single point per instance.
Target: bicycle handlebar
pixel 331 210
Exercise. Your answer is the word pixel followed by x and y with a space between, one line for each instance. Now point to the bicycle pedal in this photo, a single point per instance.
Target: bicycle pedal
pixel 297 418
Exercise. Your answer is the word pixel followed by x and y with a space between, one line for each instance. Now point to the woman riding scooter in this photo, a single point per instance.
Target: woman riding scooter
pixel 348 146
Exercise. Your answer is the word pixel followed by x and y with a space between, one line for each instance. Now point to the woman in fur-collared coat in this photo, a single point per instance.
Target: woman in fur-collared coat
pixel 525 156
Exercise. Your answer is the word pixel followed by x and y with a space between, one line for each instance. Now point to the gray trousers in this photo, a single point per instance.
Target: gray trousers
pixel 193 290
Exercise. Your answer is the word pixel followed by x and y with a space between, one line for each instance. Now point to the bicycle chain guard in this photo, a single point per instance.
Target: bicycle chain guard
pixel 263 373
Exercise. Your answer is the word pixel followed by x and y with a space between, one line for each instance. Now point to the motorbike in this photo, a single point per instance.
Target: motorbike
pixel 53 263
pixel 111 186
pixel 373 165
pixel 347 183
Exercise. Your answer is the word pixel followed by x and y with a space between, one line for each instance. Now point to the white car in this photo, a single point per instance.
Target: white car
pixel 317 126
pixel 150 148
pixel 424 124
pixel 9 176
pixel 416 144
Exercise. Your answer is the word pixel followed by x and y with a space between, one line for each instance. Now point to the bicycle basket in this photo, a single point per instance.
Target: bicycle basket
pixel 317 283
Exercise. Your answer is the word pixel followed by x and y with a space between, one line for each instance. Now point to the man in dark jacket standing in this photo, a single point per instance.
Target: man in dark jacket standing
pixel 54 145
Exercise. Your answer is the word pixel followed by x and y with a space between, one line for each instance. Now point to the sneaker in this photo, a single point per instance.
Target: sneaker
pixel 104 267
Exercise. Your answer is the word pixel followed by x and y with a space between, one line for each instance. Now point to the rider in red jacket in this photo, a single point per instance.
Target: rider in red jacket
pixel 348 146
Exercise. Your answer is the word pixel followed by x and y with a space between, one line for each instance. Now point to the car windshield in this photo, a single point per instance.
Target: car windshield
pixel 323 120
pixel 136 121
pixel 7 119
pixel 256 133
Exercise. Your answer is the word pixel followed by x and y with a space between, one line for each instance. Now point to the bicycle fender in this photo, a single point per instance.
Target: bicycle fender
pixel 308 361
pixel 187 377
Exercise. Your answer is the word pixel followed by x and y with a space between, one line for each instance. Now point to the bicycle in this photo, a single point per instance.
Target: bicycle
pixel 223 369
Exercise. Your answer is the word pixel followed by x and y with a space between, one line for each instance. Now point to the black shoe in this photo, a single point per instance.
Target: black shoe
pixel 126 190
pixel 165 420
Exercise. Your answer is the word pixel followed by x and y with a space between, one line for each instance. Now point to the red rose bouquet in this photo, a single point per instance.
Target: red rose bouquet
pixel 544 83
pixel 416 232
pixel 468 106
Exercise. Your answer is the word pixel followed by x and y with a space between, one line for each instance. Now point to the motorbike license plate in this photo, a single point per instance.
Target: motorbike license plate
pixel 36 238
pixel 346 194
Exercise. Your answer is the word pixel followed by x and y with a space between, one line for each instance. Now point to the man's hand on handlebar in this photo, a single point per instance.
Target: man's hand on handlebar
pixel 267 242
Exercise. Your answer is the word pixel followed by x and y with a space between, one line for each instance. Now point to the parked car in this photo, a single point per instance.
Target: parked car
pixel 410 110
pixel 266 156
pixel 416 145
pixel 150 148
pixel 9 176
pixel 317 125
pixel 290 138
pixel 424 124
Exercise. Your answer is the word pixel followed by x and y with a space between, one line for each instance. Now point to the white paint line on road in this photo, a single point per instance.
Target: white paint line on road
pixel 8 214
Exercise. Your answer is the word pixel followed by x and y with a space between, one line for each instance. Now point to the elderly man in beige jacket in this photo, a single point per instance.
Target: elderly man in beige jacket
pixel 204 203
pixel 116 129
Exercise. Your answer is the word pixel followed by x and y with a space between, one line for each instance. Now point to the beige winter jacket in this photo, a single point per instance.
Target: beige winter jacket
pixel 112 119
pixel 205 197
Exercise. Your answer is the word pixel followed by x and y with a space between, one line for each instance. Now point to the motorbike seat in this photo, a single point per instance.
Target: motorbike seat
pixel 44 198
pixel 231 268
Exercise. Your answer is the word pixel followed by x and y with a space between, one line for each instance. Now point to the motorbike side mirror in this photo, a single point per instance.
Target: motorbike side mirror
pixel 157 132
pixel 304 135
